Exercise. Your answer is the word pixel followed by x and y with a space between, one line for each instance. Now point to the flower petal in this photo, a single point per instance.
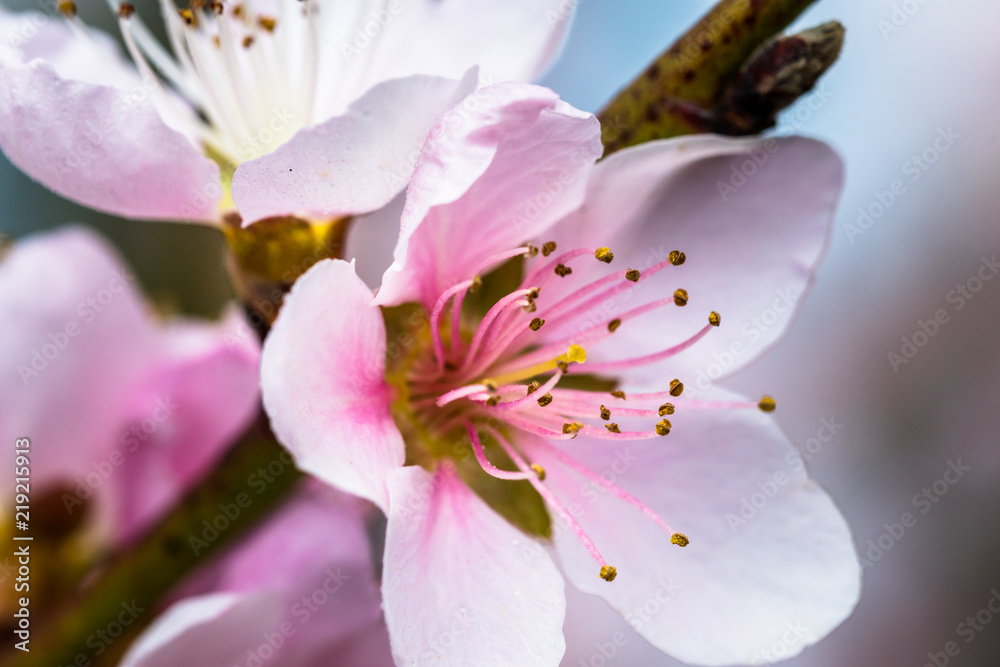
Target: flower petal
pixel 353 163
pixel 76 345
pixel 751 248
pixel 187 411
pixel 323 379
pixel 499 169
pixel 770 567
pixel 208 630
pixel 456 586
pixel 103 147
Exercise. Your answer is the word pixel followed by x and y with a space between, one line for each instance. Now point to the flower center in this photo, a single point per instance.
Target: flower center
pixel 523 368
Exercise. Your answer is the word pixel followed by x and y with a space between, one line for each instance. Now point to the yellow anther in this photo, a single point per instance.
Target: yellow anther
pixel 632 275
pixel 267 23
pixel 767 404
pixel 663 427
pixel 492 401
pixel 680 539
pixel 605 255
pixel 536 324
pixel 676 387
pixel 676 257
pixel 548 248
pixel 238 10
pixel 681 297
pixel 608 573
pixel 572 428
pixel 666 409
pixel 477 282
pixel 247 41
pixel 533 387
pixel 613 427
pixel 531 250
pixel 539 471
pixel 563 365
pixel 535 291
pixel 491 385
pixel 714 319
pixel 618 393
pixel 545 400
pixel 562 270
pixel 614 324
pixel 68 8
pixel 605 413
pixel 216 7
pixel 187 16
pixel 576 353
pixel 126 10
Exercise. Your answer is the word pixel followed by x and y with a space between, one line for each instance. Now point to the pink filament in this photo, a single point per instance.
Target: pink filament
pixel 488 467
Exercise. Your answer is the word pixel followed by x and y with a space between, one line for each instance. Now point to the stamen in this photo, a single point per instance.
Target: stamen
pixel 676 257
pixel 548 248
pixel 539 471
pixel 562 270
pixel 633 275
pixel 605 255
pixel 767 404
pixel 614 324
pixel 533 387
pixel 461 392
pixel 536 324
pixel 680 539
pixel 666 409
pixel 613 427
pixel 649 358
pixel 714 319
pixel 618 393
pixel 608 573
pixel 69 9
pixel 488 467
pixel 676 387
pixel 663 427
pixel 681 297
pixel 545 400
pixel 605 413
pixel 435 321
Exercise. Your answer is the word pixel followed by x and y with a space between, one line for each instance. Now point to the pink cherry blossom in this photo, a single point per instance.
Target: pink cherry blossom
pixel 299 591
pixel 641 273
pixel 121 409
pixel 321 103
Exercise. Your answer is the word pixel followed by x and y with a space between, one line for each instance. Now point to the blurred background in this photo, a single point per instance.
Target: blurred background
pixel 882 399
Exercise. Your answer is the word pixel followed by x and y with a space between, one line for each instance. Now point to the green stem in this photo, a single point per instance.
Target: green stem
pixel 677 93
pixel 251 480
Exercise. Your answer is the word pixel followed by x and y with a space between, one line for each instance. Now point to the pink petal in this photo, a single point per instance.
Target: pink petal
pixel 499 169
pixel 512 41
pixel 102 147
pixel 76 345
pixel 323 379
pixel 187 412
pixel 458 586
pixel 353 163
pixel 751 253
pixel 208 630
pixel 784 571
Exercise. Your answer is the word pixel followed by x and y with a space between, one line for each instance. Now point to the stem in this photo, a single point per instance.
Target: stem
pixel 143 574
pixel 677 93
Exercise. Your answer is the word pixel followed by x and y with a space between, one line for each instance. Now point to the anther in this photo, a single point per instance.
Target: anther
pixel 267 23
pixel 247 41
pixel 533 387
pixel 572 427
pixel 680 539
pixel 532 250
pixel 663 427
pixel 608 573
pixel 68 8
pixel 238 10
pixel 539 471
pixel 633 275
pixel 605 255
pixel 666 409
pixel 563 366
pixel 614 324
pixel 126 10
pixel 562 270
pixel 548 248
pixel 491 385
pixel 216 7
pixel 681 297
pixel 676 387
pixel 477 282
pixel 676 257
pixel 536 324
pixel 492 401
pixel 714 319
pixel 767 404
pixel 613 427
pixel 605 413
pixel 618 393
pixel 187 15
pixel 545 400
